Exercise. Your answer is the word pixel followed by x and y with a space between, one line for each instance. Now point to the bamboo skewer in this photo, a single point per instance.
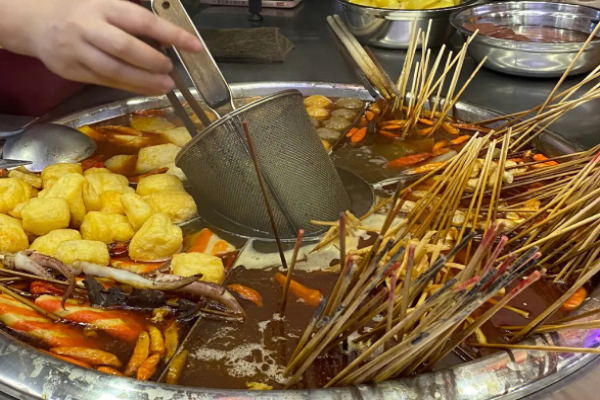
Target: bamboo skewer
pixel 555 349
pixel 290 270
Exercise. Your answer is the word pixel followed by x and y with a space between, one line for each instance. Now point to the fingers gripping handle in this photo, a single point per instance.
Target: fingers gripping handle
pixel 200 66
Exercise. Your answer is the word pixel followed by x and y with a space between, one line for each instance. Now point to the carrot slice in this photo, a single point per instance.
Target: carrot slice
pixel 460 140
pixel 408 160
pixel 312 297
pixel 426 121
pixel 388 134
pixel 369 115
pixel 247 293
pixel 351 132
pixel 424 131
pixel 575 300
pixel 109 370
pixel 450 129
pixel 439 145
pixel 359 135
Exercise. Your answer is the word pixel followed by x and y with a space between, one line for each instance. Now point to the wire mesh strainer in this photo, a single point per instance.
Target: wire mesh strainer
pixel 302 181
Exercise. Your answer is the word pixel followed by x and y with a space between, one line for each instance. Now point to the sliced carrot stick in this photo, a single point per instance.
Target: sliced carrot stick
pixel 69 359
pixel 90 356
pixel 575 300
pixel 312 297
pixel 439 152
pixel 439 145
pixel 176 367
pixel 351 132
pixel 426 168
pixel 369 115
pixel 171 339
pixel 388 134
pixel 450 129
pixel 140 353
pixel 148 368
pixel 400 122
pixel 460 140
pixel 247 293
pixel 201 242
pixel 109 370
pixel 408 160
pixel 157 342
pixel 359 135
pixel 393 127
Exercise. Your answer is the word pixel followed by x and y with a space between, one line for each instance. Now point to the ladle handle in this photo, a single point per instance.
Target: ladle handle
pixel 200 66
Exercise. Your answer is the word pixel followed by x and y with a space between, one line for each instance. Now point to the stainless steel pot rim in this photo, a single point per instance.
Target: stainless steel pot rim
pixel 457 23
pixel 499 376
pixel 389 13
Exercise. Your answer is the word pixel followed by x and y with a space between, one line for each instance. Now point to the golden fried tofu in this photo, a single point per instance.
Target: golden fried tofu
pixel 70 187
pixel 13 192
pixel 121 164
pixel 106 228
pixel 178 136
pixel 102 180
pixel 111 202
pixel 157 240
pixel 150 124
pixel 178 205
pixel 154 157
pixel 91 251
pixel 136 209
pixel 33 180
pixel 48 244
pixel 12 236
pixel 16 212
pixel 52 173
pixel 190 264
pixel 159 183
pixel 41 216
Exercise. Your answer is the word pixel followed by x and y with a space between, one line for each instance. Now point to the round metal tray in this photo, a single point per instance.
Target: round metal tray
pixel 26 373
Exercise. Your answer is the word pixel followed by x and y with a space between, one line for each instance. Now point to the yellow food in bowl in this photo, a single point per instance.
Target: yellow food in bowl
pixel 407 4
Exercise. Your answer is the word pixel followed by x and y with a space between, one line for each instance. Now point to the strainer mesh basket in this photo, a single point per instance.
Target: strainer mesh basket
pixel 301 178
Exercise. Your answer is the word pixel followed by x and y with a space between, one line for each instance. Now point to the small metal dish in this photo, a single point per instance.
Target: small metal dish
pixel 532 59
pixel 391 28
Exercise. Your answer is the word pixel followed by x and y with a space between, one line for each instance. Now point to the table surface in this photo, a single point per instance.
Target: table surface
pixel 316 58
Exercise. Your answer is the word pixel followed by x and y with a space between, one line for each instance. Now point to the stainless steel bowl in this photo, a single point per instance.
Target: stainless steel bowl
pixel 531 59
pixel 391 28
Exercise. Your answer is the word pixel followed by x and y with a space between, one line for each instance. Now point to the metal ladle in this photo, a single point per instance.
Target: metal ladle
pixel 44 144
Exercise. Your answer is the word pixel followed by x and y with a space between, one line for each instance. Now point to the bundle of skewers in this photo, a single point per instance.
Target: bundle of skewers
pixel 464 239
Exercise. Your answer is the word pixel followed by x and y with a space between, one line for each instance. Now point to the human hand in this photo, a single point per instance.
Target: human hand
pixel 93 41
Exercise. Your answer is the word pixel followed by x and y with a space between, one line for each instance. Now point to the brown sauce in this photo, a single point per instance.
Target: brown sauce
pixel 229 355
pixel 524 33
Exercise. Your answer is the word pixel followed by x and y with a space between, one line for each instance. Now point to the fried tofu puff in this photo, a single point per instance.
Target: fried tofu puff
pixel 80 195
pixel 13 192
pixel 83 250
pixel 106 228
pixel 136 209
pixel 111 202
pixel 154 157
pixel 191 264
pixel 178 136
pixel 48 243
pixel 102 180
pixel 157 240
pixel 178 205
pixel 12 236
pixel 40 216
pixel 52 173
pixel 33 180
pixel 159 183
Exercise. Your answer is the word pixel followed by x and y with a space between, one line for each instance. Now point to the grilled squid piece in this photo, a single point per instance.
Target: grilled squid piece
pixel 215 292
pixel 160 282
pixel 36 264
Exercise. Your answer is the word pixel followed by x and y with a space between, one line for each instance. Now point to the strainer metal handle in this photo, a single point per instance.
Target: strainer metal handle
pixel 200 66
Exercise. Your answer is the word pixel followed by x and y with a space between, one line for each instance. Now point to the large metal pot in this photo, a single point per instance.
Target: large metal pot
pixel 26 373
pixel 390 28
